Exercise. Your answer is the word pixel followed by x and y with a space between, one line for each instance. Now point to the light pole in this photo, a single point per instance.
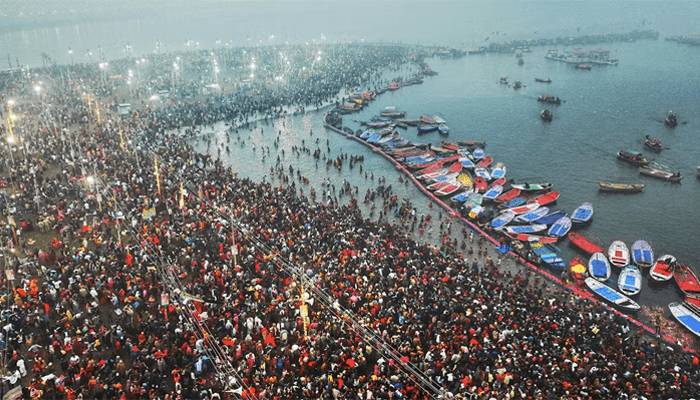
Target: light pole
pixel 103 65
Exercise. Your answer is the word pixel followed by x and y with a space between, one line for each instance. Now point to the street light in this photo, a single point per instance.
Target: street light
pixel 37 88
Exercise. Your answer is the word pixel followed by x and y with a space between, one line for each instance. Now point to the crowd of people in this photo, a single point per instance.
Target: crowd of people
pixel 194 283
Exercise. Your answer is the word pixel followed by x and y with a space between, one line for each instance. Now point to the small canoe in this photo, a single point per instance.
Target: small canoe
pixel 374 138
pixel 480 184
pixel 561 227
pixel 475 212
pixel 611 295
pixel 449 189
pixel 502 219
pixel 618 253
pixel 493 192
pixel 582 213
pixel 584 243
pixel 599 267
pixel 687 316
pixel 547 198
pixel 660 174
pixel 630 280
pixel 478 153
pixel 533 187
pixel 687 280
pixel 508 196
pixel 551 218
pixel 642 253
pixel 485 162
pixel 534 228
pixel 533 215
pixel 482 172
pixel 465 180
pixel 548 255
pixel 663 268
pixel 461 197
pixel 525 208
pixel 620 187
pixel 499 171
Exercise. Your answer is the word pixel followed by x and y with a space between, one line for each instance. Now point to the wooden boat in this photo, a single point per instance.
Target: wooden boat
pixel 478 153
pixel 599 267
pixel 619 253
pixel 582 214
pixel 653 144
pixel 630 280
pixel 467 163
pixel 449 145
pixel 493 192
pixel 525 208
pixel 687 316
pixel 392 113
pixel 461 197
pixel 450 176
pixel 660 174
pixel 485 162
pixel 508 196
pixel 533 187
pixel 642 253
pixel 545 199
pixel 584 243
pixel 561 227
pixel 498 171
pixel 480 184
pixel 632 157
pixel 671 119
pixel 410 122
pixel 367 134
pixel 475 212
pixel 663 268
pixel 377 124
pixel 548 80
pixel 533 215
pixel 465 180
pixel 695 302
pixel 584 66
pixel 548 255
pixel 449 189
pixel 532 228
pixel 687 280
pixel 578 269
pixel 611 295
pixel 427 128
pixel 438 185
pixel 548 98
pixel 498 182
pixel 431 175
pixel 620 187
pixel 546 115
pixel 551 218
pixel 526 237
pixel 502 219
pixel 472 143
pixel 427 121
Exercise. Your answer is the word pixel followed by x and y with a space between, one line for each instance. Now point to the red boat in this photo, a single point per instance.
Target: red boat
pixel 499 181
pixel 456 167
pixel 508 196
pixel 450 146
pixel 545 199
pixel 485 162
pixel 694 300
pixel 577 269
pixel 585 244
pixel 480 184
pixel 524 237
pixel 687 280
pixel 448 190
pixel 428 121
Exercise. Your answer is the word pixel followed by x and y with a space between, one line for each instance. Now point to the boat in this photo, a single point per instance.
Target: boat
pixel 502 219
pixel 630 280
pixel 642 253
pixel 653 144
pixel 548 80
pixel 472 143
pixel 504 80
pixel 671 119
pixel 584 66
pixel 517 85
pixel 426 121
pixel 493 192
pixel 546 115
pixel 582 214
pixel 686 316
pixel 532 228
pixel 577 269
pixel 465 179
pixel 599 267
pixel 410 122
pixel 462 197
pixel 549 99
pixel 533 215
pixel 480 184
pixel 660 174
pixel 516 202
pixel 427 128
pixel 498 171
pixel 620 187
pixel 687 280
pixel 482 172
pixel 618 253
pixel 525 208
pixel 478 153
pixel 547 198
pixel 485 162
pixel 533 187
pixel 584 243
pixel 526 237
pixel 508 196
pixel 663 268
pixel 367 134
pixel 448 177
pixel 561 227
pixel 391 112
pixel 467 163
pixel 473 201
pixel 374 138
pixel 611 295
pixel 449 145
pixel 551 218
pixel 439 185
pixel 547 255
pixel 449 189
pixel 632 157
pixel 443 130
pixel 377 124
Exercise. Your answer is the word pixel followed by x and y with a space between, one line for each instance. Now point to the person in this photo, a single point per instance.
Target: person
pixel 475 267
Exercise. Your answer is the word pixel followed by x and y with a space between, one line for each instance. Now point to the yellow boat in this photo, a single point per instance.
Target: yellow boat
pixel 620 187
pixel 465 180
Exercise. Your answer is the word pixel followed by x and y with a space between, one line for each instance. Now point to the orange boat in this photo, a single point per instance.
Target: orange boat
pixel 584 243
pixel 547 198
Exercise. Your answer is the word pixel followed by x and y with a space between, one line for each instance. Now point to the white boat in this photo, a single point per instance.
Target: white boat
pixel 521 229
pixel 502 219
pixel 630 280
pixel 498 171
pixel 642 253
pixel 582 214
pixel 619 254
pixel 611 295
pixel 561 227
pixel 663 268
pixel 598 267
pixel 533 215
pixel 482 172
pixel 493 192
pixel 687 315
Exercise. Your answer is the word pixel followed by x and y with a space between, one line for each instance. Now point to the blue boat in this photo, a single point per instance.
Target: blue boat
pixel 551 218
pixel 599 267
pixel 444 130
pixel 493 192
pixel 461 197
pixel 374 138
pixel 642 254
pixel 478 153
pixel 367 134
pixel 427 128
pixel 532 215
pixel 547 255
pixel 467 163
pixel 688 315
pixel 611 295
pixel 502 219
pixel 561 227
pixel 582 214
pixel 630 280
pixel 518 201
pixel 525 229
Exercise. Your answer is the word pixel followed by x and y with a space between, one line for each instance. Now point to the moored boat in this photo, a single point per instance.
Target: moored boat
pixel 443 129
pixel 525 208
pixel 611 295
pixel 498 171
pixel 546 115
pixel 599 267
pixel 484 162
pixel 582 213
pixel 449 189
pixel 687 316
pixel 632 157
pixel 545 199
pixel 502 219
pixel 660 174
pixel 551 218
pixel 482 172
pixel 473 201
pixel 560 227
pixel 493 192
pixel 533 215
pixel 577 269
pixel 548 98
pixel 533 187
pixel 671 119
pixel 653 144
pixel 548 256
pixel 630 280
pixel 480 184
pixel 642 253
pixel 620 187
pixel 618 253
pixel 439 185
pixel 687 280
pixel 663 268
pixel 461 197
pixel 584 243
pixel 519 229
pixel 427 128
pixel 478 153
pixel 508 196
pixel 548 80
